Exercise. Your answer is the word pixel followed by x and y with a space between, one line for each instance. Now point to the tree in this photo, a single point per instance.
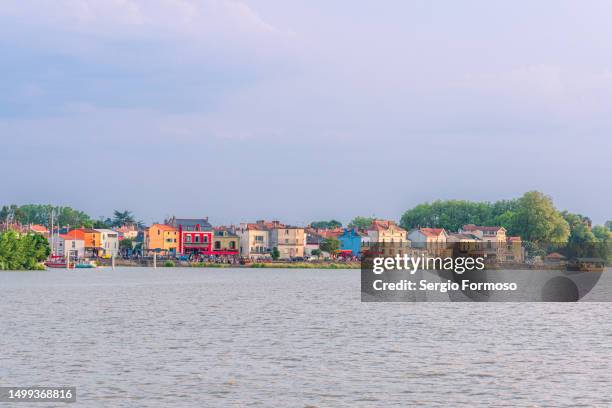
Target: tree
pixel 126 245
pixel 41 214
pixel 316 252
pixel 121 218
pixel 604 236
pixel 361 222
pixel 608 225
pixel 330 245
pixel 275 253
pixel 22 251
pixel 331 224
pixel 453 214
pixel 538 220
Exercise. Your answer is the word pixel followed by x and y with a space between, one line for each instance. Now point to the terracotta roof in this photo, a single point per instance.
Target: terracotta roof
pixel 514 239
pixel 38 228
pixel 383 225
pixel 432 232
pixel 70 237
pixel 164 227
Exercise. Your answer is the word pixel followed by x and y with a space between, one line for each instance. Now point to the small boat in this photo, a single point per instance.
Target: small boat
pixel 57 262
pixel 586 265
pixel 84 265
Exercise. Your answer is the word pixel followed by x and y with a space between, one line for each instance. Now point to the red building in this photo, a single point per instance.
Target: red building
pixel 195 235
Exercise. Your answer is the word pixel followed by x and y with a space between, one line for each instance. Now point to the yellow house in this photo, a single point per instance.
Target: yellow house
pixel 161 238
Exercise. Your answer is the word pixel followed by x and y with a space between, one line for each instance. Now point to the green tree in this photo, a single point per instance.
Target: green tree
pixel 22 251
pixel 331 224
pixel 608 225
pixel 538 220
pixel 316 252
pixel 361 222
pixel 454 214
pixel 330 245
pixel 41 214
pixel 604 236
pixel 275 253
pixel 121 218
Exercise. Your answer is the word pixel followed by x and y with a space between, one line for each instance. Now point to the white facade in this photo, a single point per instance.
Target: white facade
pixel 109 242
pixel 64 246
pixel 254 241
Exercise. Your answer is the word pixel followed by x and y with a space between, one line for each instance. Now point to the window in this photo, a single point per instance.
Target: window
pixel 232 244
pixel 158 232
pixel 205 239
pixel 197 238
pixel 217 244
pixel 286 241
pixel 259 238
pixel 188 238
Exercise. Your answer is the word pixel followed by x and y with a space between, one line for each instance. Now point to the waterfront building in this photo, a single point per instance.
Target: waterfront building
pixel 464 244
pixel 387 235
pixel 433 240
pixel 161 238
pixel 225 242
pixel 127 232
pixel 195 235
pixel 109 242
pixel 254 240
pixel 494 239
pixel 64 245
pixel 352 240
pixel 92 240
pixel 515 252
pixel 289 240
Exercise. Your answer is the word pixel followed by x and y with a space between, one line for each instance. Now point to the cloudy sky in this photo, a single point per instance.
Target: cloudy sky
pixel 301 110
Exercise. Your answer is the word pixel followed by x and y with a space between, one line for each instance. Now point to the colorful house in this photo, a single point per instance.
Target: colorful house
pixel 127 231
pixel 66 245
pixel 195 235
pixel 352 240
pixel 92 240
pixel 225 242
pixel 109 242
pixel 161 238
pixel 289 240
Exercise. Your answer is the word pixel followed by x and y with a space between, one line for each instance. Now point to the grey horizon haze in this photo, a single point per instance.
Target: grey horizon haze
pixel 303 110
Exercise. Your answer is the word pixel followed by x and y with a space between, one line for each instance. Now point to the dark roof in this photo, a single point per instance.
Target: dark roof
pixel 219 232
pixel 191 223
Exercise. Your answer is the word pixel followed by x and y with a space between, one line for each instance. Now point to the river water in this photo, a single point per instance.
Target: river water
pixel 138 337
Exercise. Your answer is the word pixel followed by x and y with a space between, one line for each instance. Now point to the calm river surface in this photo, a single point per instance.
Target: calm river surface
pixel 138 337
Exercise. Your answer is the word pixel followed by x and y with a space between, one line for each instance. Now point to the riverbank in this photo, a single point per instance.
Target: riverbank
pixel 186 264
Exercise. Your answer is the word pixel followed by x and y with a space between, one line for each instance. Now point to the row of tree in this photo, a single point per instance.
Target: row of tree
pixel 22 251
pixel 42 213
pixel 533 217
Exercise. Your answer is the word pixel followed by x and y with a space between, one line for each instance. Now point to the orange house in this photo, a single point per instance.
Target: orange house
pixel 161 238
pixel 91 238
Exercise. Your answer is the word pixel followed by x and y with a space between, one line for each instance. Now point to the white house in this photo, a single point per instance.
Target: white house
pixel 109 242
pixel 65 245
pixel 254 241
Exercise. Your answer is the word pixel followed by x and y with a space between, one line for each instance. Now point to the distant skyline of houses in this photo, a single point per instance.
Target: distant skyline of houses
pixel 197 237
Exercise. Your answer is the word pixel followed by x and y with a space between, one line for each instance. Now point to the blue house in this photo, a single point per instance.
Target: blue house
pixel 351 240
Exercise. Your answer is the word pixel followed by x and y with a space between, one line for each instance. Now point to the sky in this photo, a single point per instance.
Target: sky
pixel 303 110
